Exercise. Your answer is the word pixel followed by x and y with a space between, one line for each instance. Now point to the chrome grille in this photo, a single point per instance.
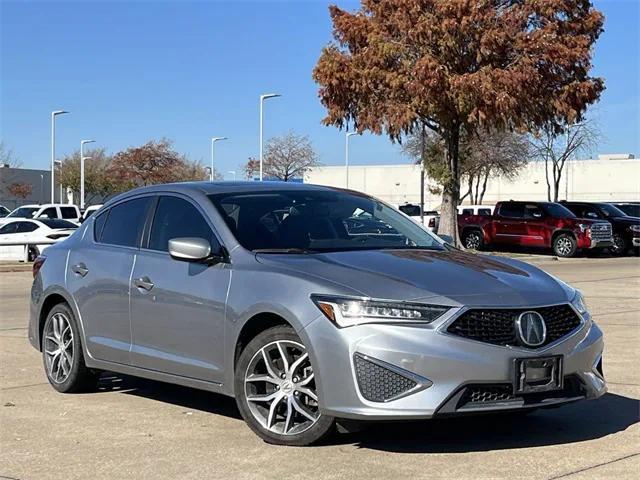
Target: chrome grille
pixel 601 232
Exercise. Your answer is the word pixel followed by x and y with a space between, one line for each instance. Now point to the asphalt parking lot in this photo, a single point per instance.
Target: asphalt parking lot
pixel 143 429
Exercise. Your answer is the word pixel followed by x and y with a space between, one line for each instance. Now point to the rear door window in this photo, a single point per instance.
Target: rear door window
pixel 50 212
pixel 176 218
pixel 533 212
pixel 512 210
pixel 68 212
pixel 124 223
pixel 9 228
pixel 26 227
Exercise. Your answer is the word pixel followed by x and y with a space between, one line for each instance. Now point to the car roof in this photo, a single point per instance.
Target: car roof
pixel 209 188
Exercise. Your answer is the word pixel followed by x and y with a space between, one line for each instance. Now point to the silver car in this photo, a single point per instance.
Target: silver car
pixel 312 306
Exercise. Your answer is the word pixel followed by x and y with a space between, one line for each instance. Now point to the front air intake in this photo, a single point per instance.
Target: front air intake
pixel 378 383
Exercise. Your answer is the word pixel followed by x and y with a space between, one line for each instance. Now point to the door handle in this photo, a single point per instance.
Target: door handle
pixel 80 269
pixel 144 283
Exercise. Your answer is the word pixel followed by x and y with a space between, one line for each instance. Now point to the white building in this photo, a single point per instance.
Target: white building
pixel 608 178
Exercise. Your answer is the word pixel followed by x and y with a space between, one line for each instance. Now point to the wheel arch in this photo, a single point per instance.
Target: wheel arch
pixel 560 231
pixel 255 325
pixel 48 304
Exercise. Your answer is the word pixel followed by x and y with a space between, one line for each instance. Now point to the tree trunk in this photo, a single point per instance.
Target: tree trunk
pixel 546 177
pixel 484 187
pixel 451 190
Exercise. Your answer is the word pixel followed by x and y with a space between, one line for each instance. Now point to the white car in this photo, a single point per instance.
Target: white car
pixel 48 210
pixel 469 210
pixel 35 235
pixel 431 217
pixel 90 211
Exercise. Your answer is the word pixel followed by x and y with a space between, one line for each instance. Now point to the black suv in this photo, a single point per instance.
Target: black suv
pixel 626 229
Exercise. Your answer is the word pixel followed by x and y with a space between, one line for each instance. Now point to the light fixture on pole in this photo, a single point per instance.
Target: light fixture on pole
pixel 82 159
pixel 54 114
pixel 213 141
pixel 233 172
pixel 346 155
pixel 262 99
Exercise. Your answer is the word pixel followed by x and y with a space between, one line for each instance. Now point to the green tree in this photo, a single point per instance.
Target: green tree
pixel 458 66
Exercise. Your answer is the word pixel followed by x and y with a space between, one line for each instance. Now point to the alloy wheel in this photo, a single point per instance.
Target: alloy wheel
pixel 618 244
pixel 564 246
pixel 473 241
pixel 280 388
pixel 58 348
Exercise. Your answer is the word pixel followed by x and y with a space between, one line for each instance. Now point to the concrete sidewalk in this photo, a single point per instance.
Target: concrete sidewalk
pixel 135 428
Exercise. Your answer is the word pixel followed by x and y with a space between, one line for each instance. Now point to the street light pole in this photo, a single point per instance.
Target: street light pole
pixel 262 99
pixel 213 141
pixel 346 155
pixel 54 114
pixel 82 159
pixel 233 172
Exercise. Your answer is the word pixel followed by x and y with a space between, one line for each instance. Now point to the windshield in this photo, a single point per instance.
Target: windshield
pixel 611 210
pixel 558 211
pixel 56 223
pixel 294 221
pixel 23 212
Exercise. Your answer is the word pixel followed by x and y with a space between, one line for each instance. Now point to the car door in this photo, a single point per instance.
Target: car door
pixel 178 307
pixel 99 273
pixel 509 223
pixel 535 221
pixel 8 234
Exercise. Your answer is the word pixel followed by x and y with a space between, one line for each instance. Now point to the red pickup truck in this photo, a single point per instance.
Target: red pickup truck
pixel 535 224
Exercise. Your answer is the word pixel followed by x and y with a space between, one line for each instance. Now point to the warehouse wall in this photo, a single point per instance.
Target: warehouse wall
pixel 594 180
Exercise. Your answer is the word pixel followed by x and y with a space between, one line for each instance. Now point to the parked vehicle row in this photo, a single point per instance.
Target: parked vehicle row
pixel 566 227
pixel 67 212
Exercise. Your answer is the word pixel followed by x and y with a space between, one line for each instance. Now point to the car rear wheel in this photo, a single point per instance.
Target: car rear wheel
pixel 276 390
pixel 473 240
pixel 564 245
pixel 62 353
pixel 620 246
pixel 33 253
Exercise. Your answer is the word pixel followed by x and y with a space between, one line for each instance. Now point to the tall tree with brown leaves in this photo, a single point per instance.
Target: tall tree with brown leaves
pixel 459 65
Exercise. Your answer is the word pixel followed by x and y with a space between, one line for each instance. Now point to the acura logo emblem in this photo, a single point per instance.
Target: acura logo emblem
pixel 532 331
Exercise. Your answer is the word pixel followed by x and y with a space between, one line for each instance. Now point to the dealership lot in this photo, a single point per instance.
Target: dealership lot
pixel 143 429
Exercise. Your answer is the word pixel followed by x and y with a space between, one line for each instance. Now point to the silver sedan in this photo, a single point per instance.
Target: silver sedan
pixel 311 306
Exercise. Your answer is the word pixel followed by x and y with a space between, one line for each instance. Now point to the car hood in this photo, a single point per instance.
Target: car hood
pixel 447 277
pixel 627 220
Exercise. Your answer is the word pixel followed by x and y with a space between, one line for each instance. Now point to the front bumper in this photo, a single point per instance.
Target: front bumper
pixel 442 366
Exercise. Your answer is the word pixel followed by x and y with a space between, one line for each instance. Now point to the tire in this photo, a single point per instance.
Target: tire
pixel 620 245
pixel 473 240
pixel 565 245
pixel 67 371
pixel 33 253
pixel 292 416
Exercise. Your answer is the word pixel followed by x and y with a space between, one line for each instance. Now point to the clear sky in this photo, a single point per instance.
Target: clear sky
pixel 134 71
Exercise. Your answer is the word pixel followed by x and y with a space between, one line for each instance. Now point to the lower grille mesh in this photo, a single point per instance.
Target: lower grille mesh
pixel 379 384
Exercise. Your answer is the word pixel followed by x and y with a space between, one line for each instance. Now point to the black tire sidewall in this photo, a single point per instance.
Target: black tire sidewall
pixel 80 377
pixel 574 244
pixel 319 430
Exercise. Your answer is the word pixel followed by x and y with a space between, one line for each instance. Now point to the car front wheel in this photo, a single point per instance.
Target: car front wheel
pixel 276 390
pixel 620 246
pixel 564 245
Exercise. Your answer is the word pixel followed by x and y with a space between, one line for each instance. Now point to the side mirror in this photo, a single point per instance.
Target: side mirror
pixel 447 239
pixel 537 214
pixel 44 215
pixel 592 215
pixel 193 249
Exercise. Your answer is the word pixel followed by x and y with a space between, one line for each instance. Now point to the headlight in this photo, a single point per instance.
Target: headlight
pixel 347 311
pixel 579 303
pixel 634 228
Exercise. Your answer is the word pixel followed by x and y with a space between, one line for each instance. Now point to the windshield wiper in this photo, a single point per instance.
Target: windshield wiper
pixel 284 250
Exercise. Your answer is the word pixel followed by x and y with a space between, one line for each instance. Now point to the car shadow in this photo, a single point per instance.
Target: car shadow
pixel 578 422
pixel 189 398
pixel 587 420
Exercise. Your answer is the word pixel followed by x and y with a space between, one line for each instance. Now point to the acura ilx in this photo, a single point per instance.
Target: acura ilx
pixel 312 306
